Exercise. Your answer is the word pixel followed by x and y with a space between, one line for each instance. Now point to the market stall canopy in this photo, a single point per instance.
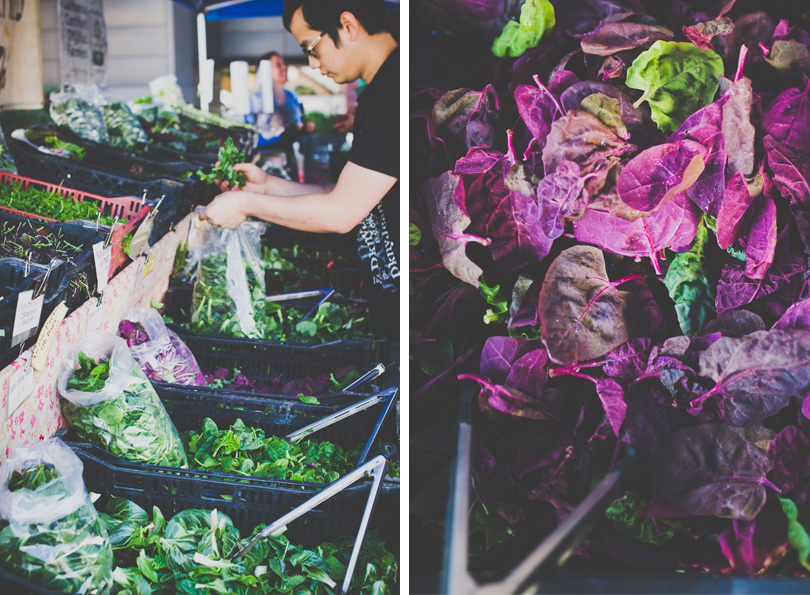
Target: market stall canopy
pixel 220 10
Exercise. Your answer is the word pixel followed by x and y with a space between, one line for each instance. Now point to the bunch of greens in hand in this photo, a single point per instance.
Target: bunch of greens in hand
pixel 191 554
pixel 57 541
pixel 229 156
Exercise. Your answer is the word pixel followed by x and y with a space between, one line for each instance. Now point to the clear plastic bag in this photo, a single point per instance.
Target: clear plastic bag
pixel 229 293
pixel 123 127
pixel 77 108
pixel 125 417
pixel 159 352
pixel 50 533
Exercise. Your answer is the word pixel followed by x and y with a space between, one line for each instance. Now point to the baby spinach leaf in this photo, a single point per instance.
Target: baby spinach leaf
pixel 611 38
pixel 536 19
pixel 711 469
pixel 797 534
pixel 582 314
pixel 689 287
pixel 659 173
pixel 757 374
pixel 677 79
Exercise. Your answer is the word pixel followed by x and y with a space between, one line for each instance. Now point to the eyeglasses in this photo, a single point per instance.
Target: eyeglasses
pixel 308 50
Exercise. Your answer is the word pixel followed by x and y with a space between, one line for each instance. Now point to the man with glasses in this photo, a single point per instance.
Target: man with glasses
pixel 345 40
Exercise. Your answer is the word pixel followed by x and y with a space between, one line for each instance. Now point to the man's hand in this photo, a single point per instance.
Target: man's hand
pixel 226 210
pixel 256 178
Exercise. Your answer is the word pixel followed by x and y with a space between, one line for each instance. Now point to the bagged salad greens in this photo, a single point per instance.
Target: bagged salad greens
pixel 159 352
pixel 229 292
pixel 122 125
pixel 77 108
pixel 50 533
pixel 111 403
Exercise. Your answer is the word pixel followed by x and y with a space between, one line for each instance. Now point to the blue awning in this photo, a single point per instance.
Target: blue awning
pixel 221 10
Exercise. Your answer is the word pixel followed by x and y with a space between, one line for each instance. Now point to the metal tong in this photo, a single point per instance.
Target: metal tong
pixel 325 294
pixel 387 396
pixel 552 552
pixel 373 373
pixel 376 468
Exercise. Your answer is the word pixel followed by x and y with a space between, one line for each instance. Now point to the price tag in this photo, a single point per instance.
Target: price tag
pixel 103 258
pixel 26 320
pixel 148 266
pixel 47 335
pixel 20 385
pixel 140 241
pixel 95 319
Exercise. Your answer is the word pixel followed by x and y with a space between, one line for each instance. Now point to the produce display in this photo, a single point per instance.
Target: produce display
pixel 159 352
pixel 165 126
pixel 50 534
pixel 123 127
pixel 191 553
pixel 609 243
pixel 79 114
pixel 247 451
pixel 223 171
pixel 49 204
pixel 110 403
pixel 330 322
pixel 42 137
pixel 229 291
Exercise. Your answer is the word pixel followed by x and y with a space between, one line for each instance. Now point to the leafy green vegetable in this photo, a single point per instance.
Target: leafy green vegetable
pixel 122 126
pixel 536 19
pixel 191 554
pixel 628 517
pixel 493 298
pixel 246 451
pixel 677 80
pixel 229 156
pixel 129 420
pixel 81 116
pixel 689 287
pixel 414 234
pixel 214 310
pixel 48 204
pixel 797 534
pixel 90 377
pixel 61 543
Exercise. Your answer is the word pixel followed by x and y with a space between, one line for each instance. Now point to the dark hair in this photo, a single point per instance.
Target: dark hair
pixel 324 15
pixel 270 55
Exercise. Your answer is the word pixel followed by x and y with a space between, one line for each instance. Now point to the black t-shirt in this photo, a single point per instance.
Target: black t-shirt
pixel 376 147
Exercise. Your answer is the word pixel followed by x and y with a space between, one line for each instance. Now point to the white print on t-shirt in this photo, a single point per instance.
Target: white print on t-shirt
pixel 376 249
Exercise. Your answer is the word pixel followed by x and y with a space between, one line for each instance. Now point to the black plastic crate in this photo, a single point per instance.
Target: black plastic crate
pixel 178 303
pixel 95 179
pixel 263 360
pixel 171 211
pixel 279 236
pixel 14 585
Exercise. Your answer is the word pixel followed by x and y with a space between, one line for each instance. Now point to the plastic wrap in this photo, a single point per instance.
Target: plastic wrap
pixel 125 417
pixel 50 533
pixel 160 353
pixel 77 108
pixel 229 292
pixel 123 127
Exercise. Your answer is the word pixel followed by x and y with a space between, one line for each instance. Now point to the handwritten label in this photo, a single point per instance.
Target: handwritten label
pixel 140 241
pixel 95 318
pixel 27 317
pixel 47 335
pixel 20 385
pixel 103 258
pixel 148 266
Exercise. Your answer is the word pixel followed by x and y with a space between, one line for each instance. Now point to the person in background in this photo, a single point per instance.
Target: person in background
pixel 286 124
pixel 345 40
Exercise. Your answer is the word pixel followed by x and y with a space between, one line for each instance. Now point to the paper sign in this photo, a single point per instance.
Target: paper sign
pixel 103 258
pixel 95 319
pixel 47 335
pixel 148 266
pixel 20 385
pixel 140 241
pixel 27 317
